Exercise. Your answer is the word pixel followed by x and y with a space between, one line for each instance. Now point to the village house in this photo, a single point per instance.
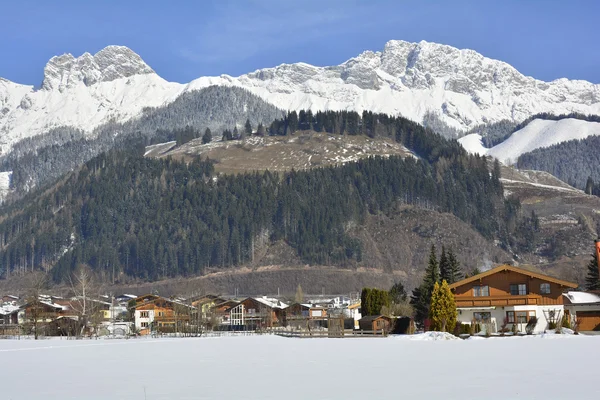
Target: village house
pixel 163 315
pixel 256 313
pixel 511 295
pixel 206 303
pixel 220 311
pixel 9 314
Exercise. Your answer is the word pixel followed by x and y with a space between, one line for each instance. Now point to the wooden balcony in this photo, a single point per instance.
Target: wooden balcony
pixel 508 300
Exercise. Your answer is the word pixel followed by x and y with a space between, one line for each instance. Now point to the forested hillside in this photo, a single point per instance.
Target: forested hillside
pixel 573 162
pixel 130 216
pixel 41 159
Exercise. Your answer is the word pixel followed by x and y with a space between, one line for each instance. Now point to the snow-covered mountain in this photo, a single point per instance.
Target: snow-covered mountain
pixel 539 133
pixel 462 87
pixel 83 92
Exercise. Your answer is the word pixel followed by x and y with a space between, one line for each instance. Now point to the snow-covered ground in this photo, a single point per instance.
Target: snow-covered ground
pixel 270 367
pixel 537 134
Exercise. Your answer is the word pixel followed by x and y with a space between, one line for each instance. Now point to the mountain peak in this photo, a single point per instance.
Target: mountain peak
pixel 110 63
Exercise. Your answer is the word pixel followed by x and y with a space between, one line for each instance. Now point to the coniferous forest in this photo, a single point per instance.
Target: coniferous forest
pixel 122 213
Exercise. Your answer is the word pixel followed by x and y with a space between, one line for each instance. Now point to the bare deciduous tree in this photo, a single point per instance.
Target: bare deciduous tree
pixel 82 284
pixel 37 282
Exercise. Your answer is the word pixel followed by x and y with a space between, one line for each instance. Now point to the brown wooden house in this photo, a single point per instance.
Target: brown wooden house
pixel 257 313
pixel 163 315
pixel 511 295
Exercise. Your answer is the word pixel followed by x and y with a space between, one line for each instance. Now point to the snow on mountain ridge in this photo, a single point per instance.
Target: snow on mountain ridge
pixel 462 87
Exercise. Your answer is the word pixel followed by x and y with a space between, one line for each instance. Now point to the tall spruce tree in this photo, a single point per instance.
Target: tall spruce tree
pixel 444 265
pixel 442 312
pixel 592 279
pixel 421 297
pixel 398 293
pixel 248 127
pixel 456 273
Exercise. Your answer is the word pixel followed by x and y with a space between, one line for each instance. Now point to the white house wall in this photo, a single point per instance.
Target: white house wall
pixel 465 316
pixel 139 319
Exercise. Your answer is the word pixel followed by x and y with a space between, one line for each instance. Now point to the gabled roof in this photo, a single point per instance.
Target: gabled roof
pixel 521 271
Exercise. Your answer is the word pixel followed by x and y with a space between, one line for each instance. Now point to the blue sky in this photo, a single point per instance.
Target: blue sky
pixel 183 40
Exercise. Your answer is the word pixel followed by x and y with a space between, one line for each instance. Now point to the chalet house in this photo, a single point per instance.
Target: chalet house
pixel 205 303
pixel 375 323
pixel 257 313
pixel 41 311
pixel 163 314
pixel 585 307
pixel 9 314
pixel 221 311
pixel 512 295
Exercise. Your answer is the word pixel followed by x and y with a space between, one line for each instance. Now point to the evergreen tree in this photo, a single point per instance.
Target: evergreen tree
pixel 421 297
pixel 372 300
pixel 442 312
pixel 473 272
pixel 456 273
pixel 397 293
pixel 589 185
pixel 592 279
pixel 261 131
pixel 207 137
pixel 444 266
pixel 248 128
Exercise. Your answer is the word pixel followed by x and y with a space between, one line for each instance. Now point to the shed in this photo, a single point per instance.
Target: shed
pixel 375 323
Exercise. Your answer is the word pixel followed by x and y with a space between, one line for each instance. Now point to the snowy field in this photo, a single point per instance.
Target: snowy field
pixel 270 367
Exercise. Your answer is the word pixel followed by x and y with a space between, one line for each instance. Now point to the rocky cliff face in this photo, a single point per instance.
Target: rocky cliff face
pixel 462 87
pixel 111 63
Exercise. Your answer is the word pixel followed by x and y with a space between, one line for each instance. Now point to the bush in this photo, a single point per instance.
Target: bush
pixel 463 329
pixel 551 325
pixel 566 323
pixel 530 327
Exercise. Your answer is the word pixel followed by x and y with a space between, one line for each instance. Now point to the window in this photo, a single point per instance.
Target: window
pixel 519 317
pixel 518 289
pixel 144 324
pixel 482 316
pixel 510 317
pixel 144 314
pixel 479 291
pixel 161 313
pixel 545 288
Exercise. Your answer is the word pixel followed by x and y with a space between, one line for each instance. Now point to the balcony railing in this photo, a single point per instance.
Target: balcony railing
pixel 507 300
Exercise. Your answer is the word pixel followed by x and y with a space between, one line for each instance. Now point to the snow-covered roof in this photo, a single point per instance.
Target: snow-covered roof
pixel 6 309
pixel 271 302
pixel 582 297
